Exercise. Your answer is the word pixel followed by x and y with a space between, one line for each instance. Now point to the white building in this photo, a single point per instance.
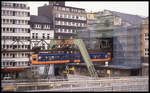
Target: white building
pixel 41 31
pixel 41 34
pixel 15 34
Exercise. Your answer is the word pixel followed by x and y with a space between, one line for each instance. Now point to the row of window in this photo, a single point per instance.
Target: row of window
pixel 66 31
pixel 16 47
pixel 68 9
pixel 146 34
pixel 15 30
pixel 43 47
pixel 14 64
pixel 68 16
pixel 66 37
pixel 15 37
pixel 23 47
pixel 38 26
pixel 146 51
pixel 44 36
pixel 15 13
pixel 14 21
pixel 14 55
pixel 146 38
pixel 70 23
pixel 13 5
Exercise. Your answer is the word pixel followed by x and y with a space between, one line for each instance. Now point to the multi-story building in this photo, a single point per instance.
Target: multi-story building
pixel 66 20
pixel 41 34
pixel 120 33
pixel 15 32
pixel 125 30
pixel 41 31
pixel 145 47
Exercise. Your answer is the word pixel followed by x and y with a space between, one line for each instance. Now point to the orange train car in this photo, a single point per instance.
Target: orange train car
pixel 67 58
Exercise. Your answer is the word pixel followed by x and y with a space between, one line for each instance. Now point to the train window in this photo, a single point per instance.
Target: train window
pixel 63 57
pixel 34 58
pixel 94 56
pixel 50 58
pixel 76 57
pixel 39 58
pixel 43 58
pixel 46 58
pixel 56 57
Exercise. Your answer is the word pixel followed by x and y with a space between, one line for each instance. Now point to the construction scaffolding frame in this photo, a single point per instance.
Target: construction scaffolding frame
pixel 127 46
pixel 126 40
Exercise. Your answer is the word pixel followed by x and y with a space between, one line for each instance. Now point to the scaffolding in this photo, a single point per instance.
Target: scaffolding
pixel 127 46
pixel 126 40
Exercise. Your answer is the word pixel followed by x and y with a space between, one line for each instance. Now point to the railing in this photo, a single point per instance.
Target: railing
pixel 133 83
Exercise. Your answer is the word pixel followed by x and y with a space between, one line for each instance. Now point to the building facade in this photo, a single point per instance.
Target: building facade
pixel 145 47
pixel 67 21
pixel 14 36
pixel 125 37
pixel 41 34
pixel 41 31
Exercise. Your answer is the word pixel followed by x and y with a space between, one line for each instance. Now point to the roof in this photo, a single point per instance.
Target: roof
pixel 40 19
pixel 132 19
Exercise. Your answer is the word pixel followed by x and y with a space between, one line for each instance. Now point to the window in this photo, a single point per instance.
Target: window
pixel 146 54
pixel 71 23
pixel 146 49
pixel 67 9
pixel 36 35
pixel 48 36
pixel 67 23
pixel 71 16
pixel 58 30
pixel 71 31
pixel 62 30
pixel 43 35
pixel 146 38
pixel 33 35
pixel 66 30
pixel 65 16
pixel 7 46
pixel 62 22
pixel 146 34
pixel 34 58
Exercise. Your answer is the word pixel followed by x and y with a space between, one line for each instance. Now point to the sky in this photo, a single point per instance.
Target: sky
pixel 134 7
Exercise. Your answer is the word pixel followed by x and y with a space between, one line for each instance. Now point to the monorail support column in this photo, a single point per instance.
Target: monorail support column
pixel 86 57
pixel 47 66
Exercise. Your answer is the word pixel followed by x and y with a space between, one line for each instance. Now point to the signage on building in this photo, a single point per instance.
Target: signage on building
pixel 13 69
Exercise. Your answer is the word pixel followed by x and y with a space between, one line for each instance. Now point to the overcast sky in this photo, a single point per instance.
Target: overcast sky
pixel 134 7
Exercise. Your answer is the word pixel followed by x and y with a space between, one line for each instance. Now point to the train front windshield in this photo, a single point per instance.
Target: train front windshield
pixel 34 58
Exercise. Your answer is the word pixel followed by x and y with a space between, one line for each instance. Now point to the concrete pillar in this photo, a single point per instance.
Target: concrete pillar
pixel 51 70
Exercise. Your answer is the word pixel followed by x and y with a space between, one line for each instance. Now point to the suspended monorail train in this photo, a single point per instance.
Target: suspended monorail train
pixel 68 58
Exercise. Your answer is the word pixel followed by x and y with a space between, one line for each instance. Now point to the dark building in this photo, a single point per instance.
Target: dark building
pixel 66 20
